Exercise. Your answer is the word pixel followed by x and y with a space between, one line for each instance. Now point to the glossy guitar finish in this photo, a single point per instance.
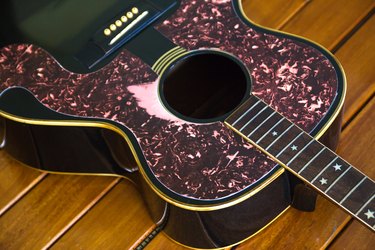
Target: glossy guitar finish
pixel 194 165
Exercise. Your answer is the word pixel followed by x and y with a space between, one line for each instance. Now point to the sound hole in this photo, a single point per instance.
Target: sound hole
pixel 205 86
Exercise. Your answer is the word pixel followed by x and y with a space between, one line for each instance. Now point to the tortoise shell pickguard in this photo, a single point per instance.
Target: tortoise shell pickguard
pixel 197 161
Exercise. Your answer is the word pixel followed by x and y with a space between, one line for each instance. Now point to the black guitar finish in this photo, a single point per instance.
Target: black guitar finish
pixel 203 184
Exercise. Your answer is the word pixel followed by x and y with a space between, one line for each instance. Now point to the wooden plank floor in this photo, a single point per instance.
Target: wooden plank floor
pixel 40 211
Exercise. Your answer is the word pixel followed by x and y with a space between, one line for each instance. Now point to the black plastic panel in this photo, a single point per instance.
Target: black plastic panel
pixel 67 28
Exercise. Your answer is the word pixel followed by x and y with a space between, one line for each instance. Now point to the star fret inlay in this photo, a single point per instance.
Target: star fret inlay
pixel 323 181
pixel 370 214
pixel 294 148
pixel 337 167
pixel 274 133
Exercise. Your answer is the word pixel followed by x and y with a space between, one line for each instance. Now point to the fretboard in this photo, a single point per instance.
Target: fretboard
pixel 307 158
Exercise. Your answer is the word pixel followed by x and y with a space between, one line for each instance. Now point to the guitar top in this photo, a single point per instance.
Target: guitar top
pixel 199 163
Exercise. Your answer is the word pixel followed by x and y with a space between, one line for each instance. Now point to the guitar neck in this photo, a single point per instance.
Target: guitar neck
pixel 307 158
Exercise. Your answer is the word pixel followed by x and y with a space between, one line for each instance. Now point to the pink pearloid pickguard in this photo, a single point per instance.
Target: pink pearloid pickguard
pixel 295 79
pixel 199 161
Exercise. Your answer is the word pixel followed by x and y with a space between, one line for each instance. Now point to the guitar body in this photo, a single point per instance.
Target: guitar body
pixel 155 112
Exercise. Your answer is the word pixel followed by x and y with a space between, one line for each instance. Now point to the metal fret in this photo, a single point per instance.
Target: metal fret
pixel 365 205
pixel 247 111
pixel 279 136
pixel 294 157
pixel 354 188
pixel 324 169
pixel 287 146
pixel 333 183
pixel 261 124
pixel 311 160
pixel 253 118
pixel 274 126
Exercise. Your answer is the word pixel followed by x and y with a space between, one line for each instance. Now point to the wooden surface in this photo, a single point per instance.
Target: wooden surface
pixel 39 210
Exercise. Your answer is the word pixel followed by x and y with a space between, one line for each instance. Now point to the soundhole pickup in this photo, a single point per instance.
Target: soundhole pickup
pixel 124 26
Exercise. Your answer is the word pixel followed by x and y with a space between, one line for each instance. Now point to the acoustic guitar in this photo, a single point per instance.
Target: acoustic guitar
pixel 217 119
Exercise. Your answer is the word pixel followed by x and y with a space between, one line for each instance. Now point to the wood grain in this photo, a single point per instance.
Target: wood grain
pixel 16 181
pixel 48 209
pixel 357 58
pixel 80 212
pixel 359 151
pixel 127 220
pixel 354 237
pixel 272 13
pixel 328 21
